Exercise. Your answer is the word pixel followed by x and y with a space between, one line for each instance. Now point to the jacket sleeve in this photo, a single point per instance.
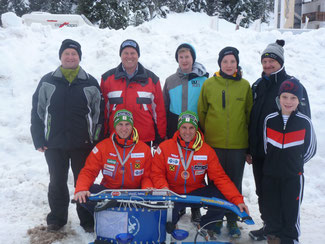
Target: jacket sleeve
pixel 310 144
pixel 104 94
pixel 166 97
pixel 222 181
pixel 98 106
pixel 304 106
pixel 202 106
pixel 249 104
pixel 37 122
pixel 160 111
pixel 146 180
pixel 90 171
pixel 158 170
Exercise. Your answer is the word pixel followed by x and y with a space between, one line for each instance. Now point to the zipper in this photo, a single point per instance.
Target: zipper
pixel 223 98
pixel 131 171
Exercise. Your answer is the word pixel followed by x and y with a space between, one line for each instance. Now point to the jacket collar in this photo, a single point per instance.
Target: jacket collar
pixel 82 75
pixel 141 76
pixel 278 75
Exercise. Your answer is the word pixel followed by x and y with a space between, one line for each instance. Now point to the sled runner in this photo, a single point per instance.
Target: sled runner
pixel 144 216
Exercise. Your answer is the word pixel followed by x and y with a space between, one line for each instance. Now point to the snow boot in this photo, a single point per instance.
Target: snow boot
pixel 196 215
pixel 233 229
pixel 258 235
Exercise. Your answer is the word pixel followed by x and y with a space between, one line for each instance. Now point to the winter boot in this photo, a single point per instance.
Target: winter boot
pixel 258 235
pixel 233 229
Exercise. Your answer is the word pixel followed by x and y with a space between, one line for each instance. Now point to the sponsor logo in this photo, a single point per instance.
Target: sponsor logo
pixel 95 150
pixel 133 225
pixel 137 166
pixel 173 161
pixel 113 154
pixel 195 83
pixel 172 167
pixel 213 201
pixel 137 155
pixel 158 150
pixel 199 172
pixel 200 167
pixel 200 157
pixel 174 155
pixel 109 167
pixel 111 161
pixel 116 193
pixel 106 172
pixel 138 172
pixel 240 99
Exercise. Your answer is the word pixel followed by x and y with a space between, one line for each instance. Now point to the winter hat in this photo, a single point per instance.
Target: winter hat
pixel 275 51
pixel 123 115
pixel 189 46
pixel 188 117
pixel 292 86
pixel 227 51
pixel 130 43
pixel 68 43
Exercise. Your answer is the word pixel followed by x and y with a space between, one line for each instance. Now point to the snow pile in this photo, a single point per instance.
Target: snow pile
pixel 27 53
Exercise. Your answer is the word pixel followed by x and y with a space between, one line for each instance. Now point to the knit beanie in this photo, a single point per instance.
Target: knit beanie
pixel 123 115
pixel 68 43
pixel 228 51
pixel 292 86
pixel 130 43
pixel 188 117
pixel 275 51
pixel 189 46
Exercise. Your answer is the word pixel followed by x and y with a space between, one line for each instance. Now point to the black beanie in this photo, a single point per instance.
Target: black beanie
pixel 189 46
pixel 68 43
pixel 292 86
pixel 130 43
pixel 227 51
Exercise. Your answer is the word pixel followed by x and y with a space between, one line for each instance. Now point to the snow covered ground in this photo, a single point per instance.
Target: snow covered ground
pixel 27 53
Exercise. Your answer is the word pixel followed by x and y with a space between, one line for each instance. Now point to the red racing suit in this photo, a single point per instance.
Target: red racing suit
pixel 168 170
pixel 134 174
pixel 142 95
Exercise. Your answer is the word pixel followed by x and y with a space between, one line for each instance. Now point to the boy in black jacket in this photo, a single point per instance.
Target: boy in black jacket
pixel 289 142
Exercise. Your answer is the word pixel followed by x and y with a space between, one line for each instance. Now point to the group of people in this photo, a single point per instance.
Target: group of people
pixel 200 127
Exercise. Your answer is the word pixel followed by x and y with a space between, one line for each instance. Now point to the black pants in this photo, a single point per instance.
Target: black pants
pixel 58 193
pixel 281 200
pixel 233 163
pixel 258 164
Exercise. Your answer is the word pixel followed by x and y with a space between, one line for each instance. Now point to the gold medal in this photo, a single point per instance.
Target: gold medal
pixel 185 175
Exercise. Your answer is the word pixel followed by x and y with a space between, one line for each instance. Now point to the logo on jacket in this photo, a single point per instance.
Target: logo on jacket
pixel 137 155
pixel 195 83
pixel 138 172
pixel 95 150
pixel 173 161
pixel 111 161
pixel 137 166
pixel 172 167
pixel 200 157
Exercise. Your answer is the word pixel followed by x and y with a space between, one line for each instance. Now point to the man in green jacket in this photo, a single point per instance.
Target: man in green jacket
pixel 224 109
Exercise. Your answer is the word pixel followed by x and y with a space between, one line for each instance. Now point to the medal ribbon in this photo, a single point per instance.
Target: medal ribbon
pixel 119 156
pixel 182 157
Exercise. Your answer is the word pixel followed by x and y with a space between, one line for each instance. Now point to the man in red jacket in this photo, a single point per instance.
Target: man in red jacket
pixel 130 86
pixel 125 161
pixel 181 163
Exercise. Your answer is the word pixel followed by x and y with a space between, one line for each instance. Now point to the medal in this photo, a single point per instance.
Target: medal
pixel 185 175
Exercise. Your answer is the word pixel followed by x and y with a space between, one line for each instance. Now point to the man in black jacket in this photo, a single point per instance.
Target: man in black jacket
pixel 265 91
pixel 66 120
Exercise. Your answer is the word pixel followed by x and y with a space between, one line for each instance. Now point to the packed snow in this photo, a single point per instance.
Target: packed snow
pixel 27 53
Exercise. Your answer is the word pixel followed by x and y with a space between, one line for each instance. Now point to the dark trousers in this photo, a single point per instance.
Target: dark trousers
pixel 233 163
pixel 258 164
pixel 281 199
pixel 211 215
pixel 58 193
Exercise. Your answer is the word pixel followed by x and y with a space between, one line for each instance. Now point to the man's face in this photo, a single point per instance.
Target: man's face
pixel 270 66
pixel 70 59
pixel 185 61
pixel 229 64
pixel 187 132
pixel 129 57
pixel 288 102
pixel 123 129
